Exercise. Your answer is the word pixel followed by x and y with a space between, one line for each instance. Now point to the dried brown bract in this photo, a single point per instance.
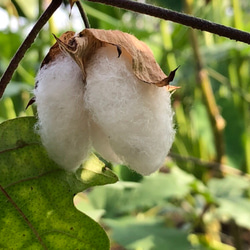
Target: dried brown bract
pixel 82 46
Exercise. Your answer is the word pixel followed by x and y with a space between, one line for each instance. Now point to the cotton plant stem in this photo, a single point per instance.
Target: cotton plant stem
pixel 208 164
pixel 177 17
pixel 6 77
pixel 83 14
pixel 217 121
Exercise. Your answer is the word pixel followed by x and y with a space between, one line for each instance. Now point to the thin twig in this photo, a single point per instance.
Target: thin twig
pixel 24 217
pixel 26 44
pixel 187 20
pixel 83 15
pixel 208 164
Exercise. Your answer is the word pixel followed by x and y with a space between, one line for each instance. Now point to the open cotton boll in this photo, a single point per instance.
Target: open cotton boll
pixel 63 122
pixel 135 116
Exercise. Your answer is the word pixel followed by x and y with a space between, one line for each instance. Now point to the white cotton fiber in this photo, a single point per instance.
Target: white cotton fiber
pixel 135 118
pixel 63 121
pixel 100 143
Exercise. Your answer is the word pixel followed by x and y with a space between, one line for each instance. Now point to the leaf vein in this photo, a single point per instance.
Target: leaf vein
pixel 24 216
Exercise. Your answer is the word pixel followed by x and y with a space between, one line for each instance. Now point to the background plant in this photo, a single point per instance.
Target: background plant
pixel 185 205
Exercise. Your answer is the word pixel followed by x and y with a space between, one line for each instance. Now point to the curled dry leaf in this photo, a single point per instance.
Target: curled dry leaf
pixel 82 46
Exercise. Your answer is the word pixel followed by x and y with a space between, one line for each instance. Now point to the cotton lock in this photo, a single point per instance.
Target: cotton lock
pixel 99 103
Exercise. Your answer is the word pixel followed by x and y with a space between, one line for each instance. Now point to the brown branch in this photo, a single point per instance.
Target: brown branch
pixel 208 164
pixel 24 217
pixel 187 20
pixel 83 15
pixel 6 77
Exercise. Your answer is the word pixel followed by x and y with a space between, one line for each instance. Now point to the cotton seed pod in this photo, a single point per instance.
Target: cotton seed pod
pixel 103 90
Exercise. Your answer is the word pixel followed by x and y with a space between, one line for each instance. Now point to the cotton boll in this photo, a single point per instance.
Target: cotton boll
pixel 136 117
pixel 63 121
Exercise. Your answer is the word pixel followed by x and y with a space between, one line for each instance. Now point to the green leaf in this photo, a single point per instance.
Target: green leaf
pixel 201 125
pixel 83 204
pixel 235 208
pixel 10 42
pixel 28 8
pixel 230 186
pixel 15 88
pixel 94 172
pixel 233 141
pixel 101 15
pixel 127 197
pixel 160 187
pixel 18 133
pixel 113 199
pixel 230 196
pixel 36 198
pixel 146 233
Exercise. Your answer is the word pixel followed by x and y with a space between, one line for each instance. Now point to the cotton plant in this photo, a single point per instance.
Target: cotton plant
pixel 103 91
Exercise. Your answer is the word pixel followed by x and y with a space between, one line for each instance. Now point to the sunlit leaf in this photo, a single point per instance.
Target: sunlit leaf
pixel 36 199
pixel 94 172
pixel 28 8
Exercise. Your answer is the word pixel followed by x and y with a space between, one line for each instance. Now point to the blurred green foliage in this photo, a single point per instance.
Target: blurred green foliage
pixel 185 207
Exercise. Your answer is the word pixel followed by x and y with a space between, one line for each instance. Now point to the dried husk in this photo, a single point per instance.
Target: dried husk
pixel 55 49
pixel 83 45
